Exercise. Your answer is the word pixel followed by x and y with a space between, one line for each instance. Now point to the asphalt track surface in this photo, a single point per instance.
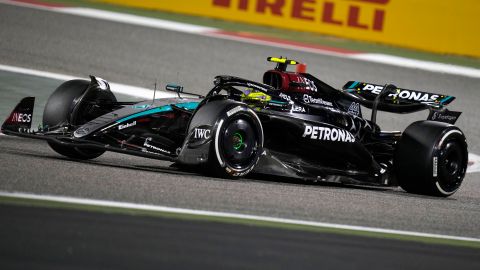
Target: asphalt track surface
pixel 137 55
pixel 87 240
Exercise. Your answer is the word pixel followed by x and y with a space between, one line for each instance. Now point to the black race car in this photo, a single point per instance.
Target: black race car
pixel 292 125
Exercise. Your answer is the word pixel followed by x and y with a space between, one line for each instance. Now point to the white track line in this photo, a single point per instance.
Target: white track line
pixel 118 17
pixel 418 64
pixel 38 73
pixel 126 205
pixel 209 31
pixel 124 89
pixel 136 20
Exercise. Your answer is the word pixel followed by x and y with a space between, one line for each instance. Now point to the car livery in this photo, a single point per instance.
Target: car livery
pixel 292 125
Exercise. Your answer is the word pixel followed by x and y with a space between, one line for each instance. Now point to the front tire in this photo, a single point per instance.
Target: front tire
pixel 58 112
pixel 431 159
pixel 237 145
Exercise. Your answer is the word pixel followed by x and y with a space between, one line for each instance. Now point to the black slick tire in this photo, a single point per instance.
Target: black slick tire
pixel 431 159
pixel 58 111
pixel 237 143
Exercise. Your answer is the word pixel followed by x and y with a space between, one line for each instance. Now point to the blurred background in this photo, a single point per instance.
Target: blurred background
pixel 428 45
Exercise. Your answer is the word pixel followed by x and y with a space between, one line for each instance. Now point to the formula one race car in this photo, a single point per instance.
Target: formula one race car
pixel 292 125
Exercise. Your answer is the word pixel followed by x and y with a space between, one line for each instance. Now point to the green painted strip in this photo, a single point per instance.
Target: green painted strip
pixel 230 220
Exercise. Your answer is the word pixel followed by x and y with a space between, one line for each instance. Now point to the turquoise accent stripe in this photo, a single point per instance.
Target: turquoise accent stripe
pixel 277 102
pixel 353 85
pixel 446 99
pixel 147 112
pixel 188 105
pixel 166 108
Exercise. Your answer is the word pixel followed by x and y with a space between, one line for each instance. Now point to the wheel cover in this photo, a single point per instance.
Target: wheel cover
pixel 239 144
pixel 452 166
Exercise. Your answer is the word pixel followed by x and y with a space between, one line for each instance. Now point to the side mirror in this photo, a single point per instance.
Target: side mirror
pixel 174 88
pixel 179 89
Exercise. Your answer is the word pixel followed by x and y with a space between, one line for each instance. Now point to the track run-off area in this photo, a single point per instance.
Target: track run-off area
pixel 38 47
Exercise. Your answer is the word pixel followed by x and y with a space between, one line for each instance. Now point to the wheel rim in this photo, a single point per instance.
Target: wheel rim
pixel 451 166
pixel 239 144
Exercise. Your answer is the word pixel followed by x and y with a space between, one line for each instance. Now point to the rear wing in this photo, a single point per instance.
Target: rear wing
pixel 393 99
pixel 370 91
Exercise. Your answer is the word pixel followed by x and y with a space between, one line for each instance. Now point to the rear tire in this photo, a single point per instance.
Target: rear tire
pixel 237 145
pixel 58 112
pixel 431 159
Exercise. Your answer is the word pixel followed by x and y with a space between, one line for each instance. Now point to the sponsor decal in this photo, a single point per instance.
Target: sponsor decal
pixel 403 93
pixel 127 125
pixel 435 166
pixel 445 116
pixel 286 97
pixel 439 116
pixel 328 134
pixel 375 89
pixel 234 110
pixel 21 118
pixel 24 130
pixel 361 17
pixel 310 84
pixel 148 145
pixel 256 86
pixel 296 108
pixel 238 174
pixel 309 99
pixel 354 108
pixel 201 133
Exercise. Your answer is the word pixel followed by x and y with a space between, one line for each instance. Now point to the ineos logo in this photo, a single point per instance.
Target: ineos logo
pixel 21 118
